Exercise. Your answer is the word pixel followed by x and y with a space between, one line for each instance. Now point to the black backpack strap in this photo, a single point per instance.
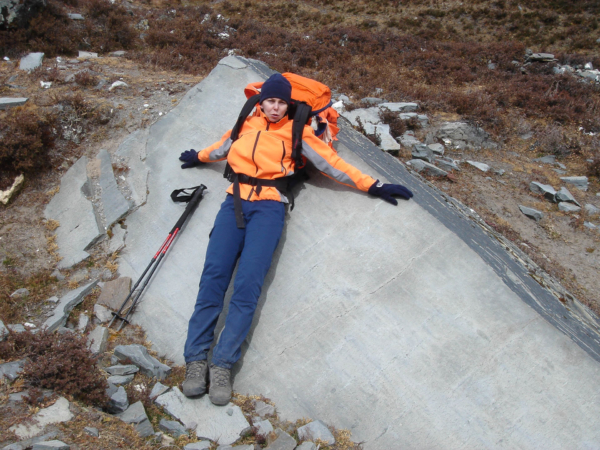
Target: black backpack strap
pixel 246 110
pixel 301 116
pixel 186 197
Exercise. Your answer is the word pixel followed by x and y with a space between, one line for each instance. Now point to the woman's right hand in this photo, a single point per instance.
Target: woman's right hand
pixel 190 159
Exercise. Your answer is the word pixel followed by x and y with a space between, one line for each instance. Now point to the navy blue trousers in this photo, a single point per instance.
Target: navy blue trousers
pixel 253 246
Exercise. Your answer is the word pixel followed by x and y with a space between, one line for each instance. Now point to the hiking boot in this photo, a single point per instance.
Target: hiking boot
pixel 196 375
pixel 220 385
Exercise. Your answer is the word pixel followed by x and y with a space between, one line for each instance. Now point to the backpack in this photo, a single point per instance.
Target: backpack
pixel 311 101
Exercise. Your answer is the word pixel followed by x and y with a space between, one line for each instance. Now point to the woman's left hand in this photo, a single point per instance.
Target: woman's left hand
pixel 387 192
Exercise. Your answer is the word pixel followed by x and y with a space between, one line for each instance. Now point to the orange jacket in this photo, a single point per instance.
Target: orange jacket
pixel 264 150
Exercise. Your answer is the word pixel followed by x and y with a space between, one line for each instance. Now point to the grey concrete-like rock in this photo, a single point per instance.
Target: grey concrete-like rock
pixel 92 431
pixel 114 293
pixel 563 195
pixel 438 149
pixel 158 389
pixel 136 415
pixel 447 164
pixel 543 189
pixel 118 402
pixel 120 369
pixel 51 445
pixel 316 430
pixel 114 204
pixel 172 427
pixel 98 340
pixel 263 427
pixel 57 413
pixel 589 208
pixel 200 445
pixel 7 102
pixel 102 313
pixel 365 115
pixel 568 207
pixel 212 421
pixel 263 409
pixel 78 229
pixel 579 182
pixel 120 380
pixel 83 322
pixel 66 305
pixel 463 135
pixel 31 61
pixel 20 293
pixel 413 311
pixel 532 213
pixel 422 151
pixel 479 165
pixel 400 107
pixel 138 355
pixel 282 441
pixel 132 152
pixel 421 166
pixel 11 370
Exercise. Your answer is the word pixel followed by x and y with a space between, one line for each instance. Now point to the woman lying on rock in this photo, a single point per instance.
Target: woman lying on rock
pixel 249 225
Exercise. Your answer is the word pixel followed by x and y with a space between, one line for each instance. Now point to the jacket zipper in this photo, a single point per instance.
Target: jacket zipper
pixel 253 153
pixel 282 157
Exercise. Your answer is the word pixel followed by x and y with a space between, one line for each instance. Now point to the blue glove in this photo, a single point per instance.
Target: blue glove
pixel 388 191
pixel 190 158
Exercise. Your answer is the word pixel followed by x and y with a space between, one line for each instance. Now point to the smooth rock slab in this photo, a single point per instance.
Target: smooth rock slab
pixel 113 203
pixel 281 441
pixel 544 189
pixel 481 166
pixel 66 305
pixel 57 413
pixel 136 415
pixel 51 445
pixel 212 421
pixel 120 380
pixel 421 166
pixel 11 370
pixel 316 430
pixel 114 293
pixel 158 389
pixel 563 195
pixel 532 213
pixel 31 61
pixel 578 182
pixel 7 102
pixel 123 369
pixel 568 207
pixel 172 427
pixel 78 229
pixel 118 402
pixel 138 355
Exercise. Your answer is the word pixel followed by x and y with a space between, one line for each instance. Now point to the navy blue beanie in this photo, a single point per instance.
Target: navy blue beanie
pixel 276 87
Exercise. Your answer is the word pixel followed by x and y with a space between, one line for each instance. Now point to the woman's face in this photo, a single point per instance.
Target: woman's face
pixel 274 109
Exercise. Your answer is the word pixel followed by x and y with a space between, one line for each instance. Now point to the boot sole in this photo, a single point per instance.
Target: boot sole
pixel 218 402
pixel 194 392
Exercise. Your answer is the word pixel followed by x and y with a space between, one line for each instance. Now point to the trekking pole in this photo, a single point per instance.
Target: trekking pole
pixel 193 200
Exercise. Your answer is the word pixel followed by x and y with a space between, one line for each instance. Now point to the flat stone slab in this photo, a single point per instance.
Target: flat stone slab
pixel 66 305
pixel 400 106
pixel 568 207
pixel 7 102
pixel 114 293
pixel 97 341
pixel 51 445
pixel 120 369
pixel 120 380
pixel 479 165
pixel 543 189
pixel 532 213
pixel 31 61
pixel 78 228
pixel 138 355
pixel 11 370
pixel 563 195
pixel 212 422
pixel 422 166
pixel 316 430
pixel 416 310
pixel 114 205
pixel 578 182
pixel 136 415
pixel 57 413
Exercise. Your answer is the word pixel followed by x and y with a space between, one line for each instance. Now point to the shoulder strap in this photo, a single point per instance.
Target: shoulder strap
pixel 301 116
pixel 246 110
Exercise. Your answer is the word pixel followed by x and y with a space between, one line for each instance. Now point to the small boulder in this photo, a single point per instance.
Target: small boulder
pixel 87 55
pixel 118 402
pixel 481 166
pixel 532 213
pixel 563 195
pixel 120 380
pixel 11 370
pixel 31 62
pixel 172 427
pixel 102 313
pixel 74 16
pixel 158 389
pixel 421 151
pixel 122 369
pixel 8 102
pixel 421 166
pixel 138 355
pixel 97 340
pixel 263 409
pixel 136 415
pixel 92 431
pixel 263 427
pixel 83 322
pixel 20 293
pixel 118 84
pixel 568 207
pixel 438 149
pixel 544 189
pixel 280 440
pixel 589 208
pixel 51 445
pixel 579 182
pixel 316 430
